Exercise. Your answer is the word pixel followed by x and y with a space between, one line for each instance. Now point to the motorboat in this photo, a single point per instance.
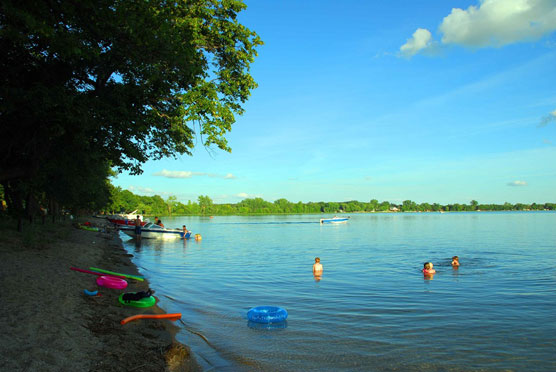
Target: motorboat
pixel 334 219
pixel 124 221
pixel 126 218
pixel 152 231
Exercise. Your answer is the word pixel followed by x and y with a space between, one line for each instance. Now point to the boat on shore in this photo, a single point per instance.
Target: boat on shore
pixel 334 219
pixel 126 219
pixel 152 231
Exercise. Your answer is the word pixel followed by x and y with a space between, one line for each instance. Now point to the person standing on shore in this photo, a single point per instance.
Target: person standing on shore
pixel 138 228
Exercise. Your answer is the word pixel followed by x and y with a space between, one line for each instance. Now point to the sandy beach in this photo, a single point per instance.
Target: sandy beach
pixel 48 323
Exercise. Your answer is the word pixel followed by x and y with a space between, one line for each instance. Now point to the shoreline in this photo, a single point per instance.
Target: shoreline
pixel 49 324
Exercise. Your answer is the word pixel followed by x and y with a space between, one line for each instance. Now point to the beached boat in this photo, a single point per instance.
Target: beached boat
pixel 126 218
pixel 124 221
pixel 334 219
pixel 152 231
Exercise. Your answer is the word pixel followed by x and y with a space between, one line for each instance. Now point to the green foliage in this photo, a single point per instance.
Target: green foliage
pixel 155 205
pixel 98 84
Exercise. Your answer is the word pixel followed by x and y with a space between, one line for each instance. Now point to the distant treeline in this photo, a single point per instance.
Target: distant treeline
pixel 124 200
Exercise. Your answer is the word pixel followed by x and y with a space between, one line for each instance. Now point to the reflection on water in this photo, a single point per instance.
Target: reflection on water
pixel 375 310
pixel 267 326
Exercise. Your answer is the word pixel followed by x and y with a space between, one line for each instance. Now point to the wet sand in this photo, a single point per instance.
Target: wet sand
pixel 47 323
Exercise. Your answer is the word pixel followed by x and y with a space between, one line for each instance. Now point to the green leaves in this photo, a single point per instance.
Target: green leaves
pixel 131 80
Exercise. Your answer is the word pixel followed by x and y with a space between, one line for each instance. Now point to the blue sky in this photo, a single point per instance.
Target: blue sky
pixel 436 101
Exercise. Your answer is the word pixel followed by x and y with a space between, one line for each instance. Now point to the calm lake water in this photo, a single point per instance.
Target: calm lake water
pixel 372 310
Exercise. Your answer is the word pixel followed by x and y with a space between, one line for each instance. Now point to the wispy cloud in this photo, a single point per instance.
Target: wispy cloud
pixel 493 23
pixel 420 41
pixel 517 183
pixel 548 119
pixel 188 174
pixel 140 189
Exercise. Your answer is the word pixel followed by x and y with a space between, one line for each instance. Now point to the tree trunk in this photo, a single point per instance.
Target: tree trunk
pixel 14 199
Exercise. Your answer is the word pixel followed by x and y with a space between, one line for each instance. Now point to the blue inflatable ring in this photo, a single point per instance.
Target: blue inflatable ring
pixel 267 314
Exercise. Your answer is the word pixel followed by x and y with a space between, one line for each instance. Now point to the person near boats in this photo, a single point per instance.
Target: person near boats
pixel 138 227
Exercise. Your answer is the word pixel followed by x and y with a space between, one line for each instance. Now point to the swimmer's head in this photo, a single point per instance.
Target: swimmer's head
pixel 455 258
pixel 317 259
pixel 427 265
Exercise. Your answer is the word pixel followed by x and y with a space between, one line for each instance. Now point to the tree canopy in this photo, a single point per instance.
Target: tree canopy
pixel 110 84
pixel 155 205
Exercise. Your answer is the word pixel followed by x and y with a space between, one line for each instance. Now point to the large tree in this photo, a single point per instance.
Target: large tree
pixel 124 81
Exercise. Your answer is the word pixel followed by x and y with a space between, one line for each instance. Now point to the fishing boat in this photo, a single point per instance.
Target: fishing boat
pixel 152 231
pixel 334 219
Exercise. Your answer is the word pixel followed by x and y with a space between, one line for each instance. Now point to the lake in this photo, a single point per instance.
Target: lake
pixel 372 310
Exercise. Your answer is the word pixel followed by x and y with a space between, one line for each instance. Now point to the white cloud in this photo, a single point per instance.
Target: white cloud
pixel 242 195
pixel 499 22
pixel 188 174
pixel 493 23
pixel 173 174
pixel 547 119
pixel 420 40
pixel 140 189
pixel 517 183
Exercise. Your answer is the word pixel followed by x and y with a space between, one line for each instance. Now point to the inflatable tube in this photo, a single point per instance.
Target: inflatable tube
pixel 117 274
pixel 175 316
pixel 90 293
pixel 144 302
pixel 111 282
pixel 267 314
pixel 94 273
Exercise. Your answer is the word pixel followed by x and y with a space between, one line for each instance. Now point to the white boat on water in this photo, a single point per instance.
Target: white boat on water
pixel 334 219
pixel 152 231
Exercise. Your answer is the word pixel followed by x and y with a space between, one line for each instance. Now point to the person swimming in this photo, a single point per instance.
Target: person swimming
pixel 428 268
pixel 455 261
pixel 317 267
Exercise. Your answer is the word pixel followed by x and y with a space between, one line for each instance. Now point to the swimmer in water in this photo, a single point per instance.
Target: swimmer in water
pixel 317 267
pixel 428 268
pixel 455 262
